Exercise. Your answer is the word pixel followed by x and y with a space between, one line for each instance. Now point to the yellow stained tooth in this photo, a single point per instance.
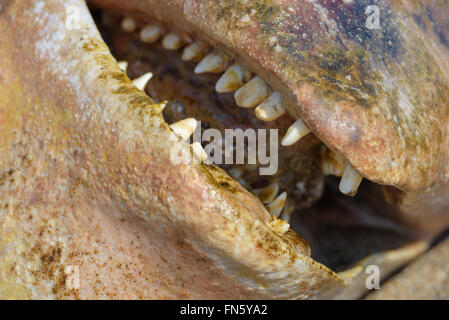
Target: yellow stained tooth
pixel 171 42
pixel 276 206
pixel 252 93
pixel 279 226
pixel 332 163
pixel 295 133
pixel 271 108
pixel 184 128
pixel 141 82
pixel 192 53
pixel 232 79
pixel 128 24
pixel 199 153
pixel 150 33
pixel 212 63
pixel 350 181
pixel 267 194
pixel 123 65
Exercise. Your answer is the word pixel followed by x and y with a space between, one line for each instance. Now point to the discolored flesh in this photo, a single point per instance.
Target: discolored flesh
pixel 377 97
pixel 426 278
pixel 88 182
pixel 86 177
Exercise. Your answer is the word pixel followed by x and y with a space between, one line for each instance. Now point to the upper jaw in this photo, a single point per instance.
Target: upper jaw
pixel 377 97
pixel 360 91
pixel 111 141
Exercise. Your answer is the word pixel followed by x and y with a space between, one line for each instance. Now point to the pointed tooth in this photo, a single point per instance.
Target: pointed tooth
pixel 171 42
pixel 199 152
pixel 295 133
pixel 141 82
pixel 150 33
pixel 276 206
pixel 350 181
pixel 232 79
pixel 123 65
pixel 128 24
pixel 280 226
pixel 252 93
pixel 184 128
pixel 267 194
pixel 271 108
pixel 236 173
pixel 243 183
pixel 212 63
pixel 332 163
pixel 192 53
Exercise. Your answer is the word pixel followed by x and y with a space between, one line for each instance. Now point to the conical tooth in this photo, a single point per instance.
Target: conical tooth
pixel 295 133
pixel 123 65
pixel 150 33
pixel 276 206
pixel 141 82
pixel 280 226
pixel 199 152
pixel 171 42
pixel 271 108
pixel 332 163
pixel 128 24
pixel 192 53
pixel 243 183
pixel 267 194
pixel 252 93
pixel 350 181
pixel 236 173
pixel 212 63
pixel 184 128
pixel 232 79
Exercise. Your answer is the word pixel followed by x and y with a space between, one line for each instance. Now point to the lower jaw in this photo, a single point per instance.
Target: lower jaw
pixel 340 230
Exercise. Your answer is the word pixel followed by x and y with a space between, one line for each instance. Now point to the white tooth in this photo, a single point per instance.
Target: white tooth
pixel 276 206
pixel 212 63
pixel 252 93
pixel 236 173
pixel 350 181
pixel 123 65
pixel 184 128
pixel 141 82
pixel 267 194
pixel 232 79
pixel 199 152
pixel 150 33
pixel 192 53
pixel 295 133
pixel 271 108
pixel 128 24
pixel 171 42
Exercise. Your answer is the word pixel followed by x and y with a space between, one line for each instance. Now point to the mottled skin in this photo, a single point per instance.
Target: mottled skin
pixel 87 181
pixel 85 155
pixel 378 97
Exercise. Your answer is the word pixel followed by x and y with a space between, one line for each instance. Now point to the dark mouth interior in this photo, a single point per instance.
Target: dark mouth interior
pixel 340 230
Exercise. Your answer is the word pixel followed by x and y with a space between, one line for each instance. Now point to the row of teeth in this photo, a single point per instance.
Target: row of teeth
pixel 249 93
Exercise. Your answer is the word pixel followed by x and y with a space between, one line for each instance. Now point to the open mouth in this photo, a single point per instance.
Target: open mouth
pixel 353 117
pixel 314 190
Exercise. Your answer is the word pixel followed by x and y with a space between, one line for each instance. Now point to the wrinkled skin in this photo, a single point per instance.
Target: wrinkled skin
pixel 85 174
